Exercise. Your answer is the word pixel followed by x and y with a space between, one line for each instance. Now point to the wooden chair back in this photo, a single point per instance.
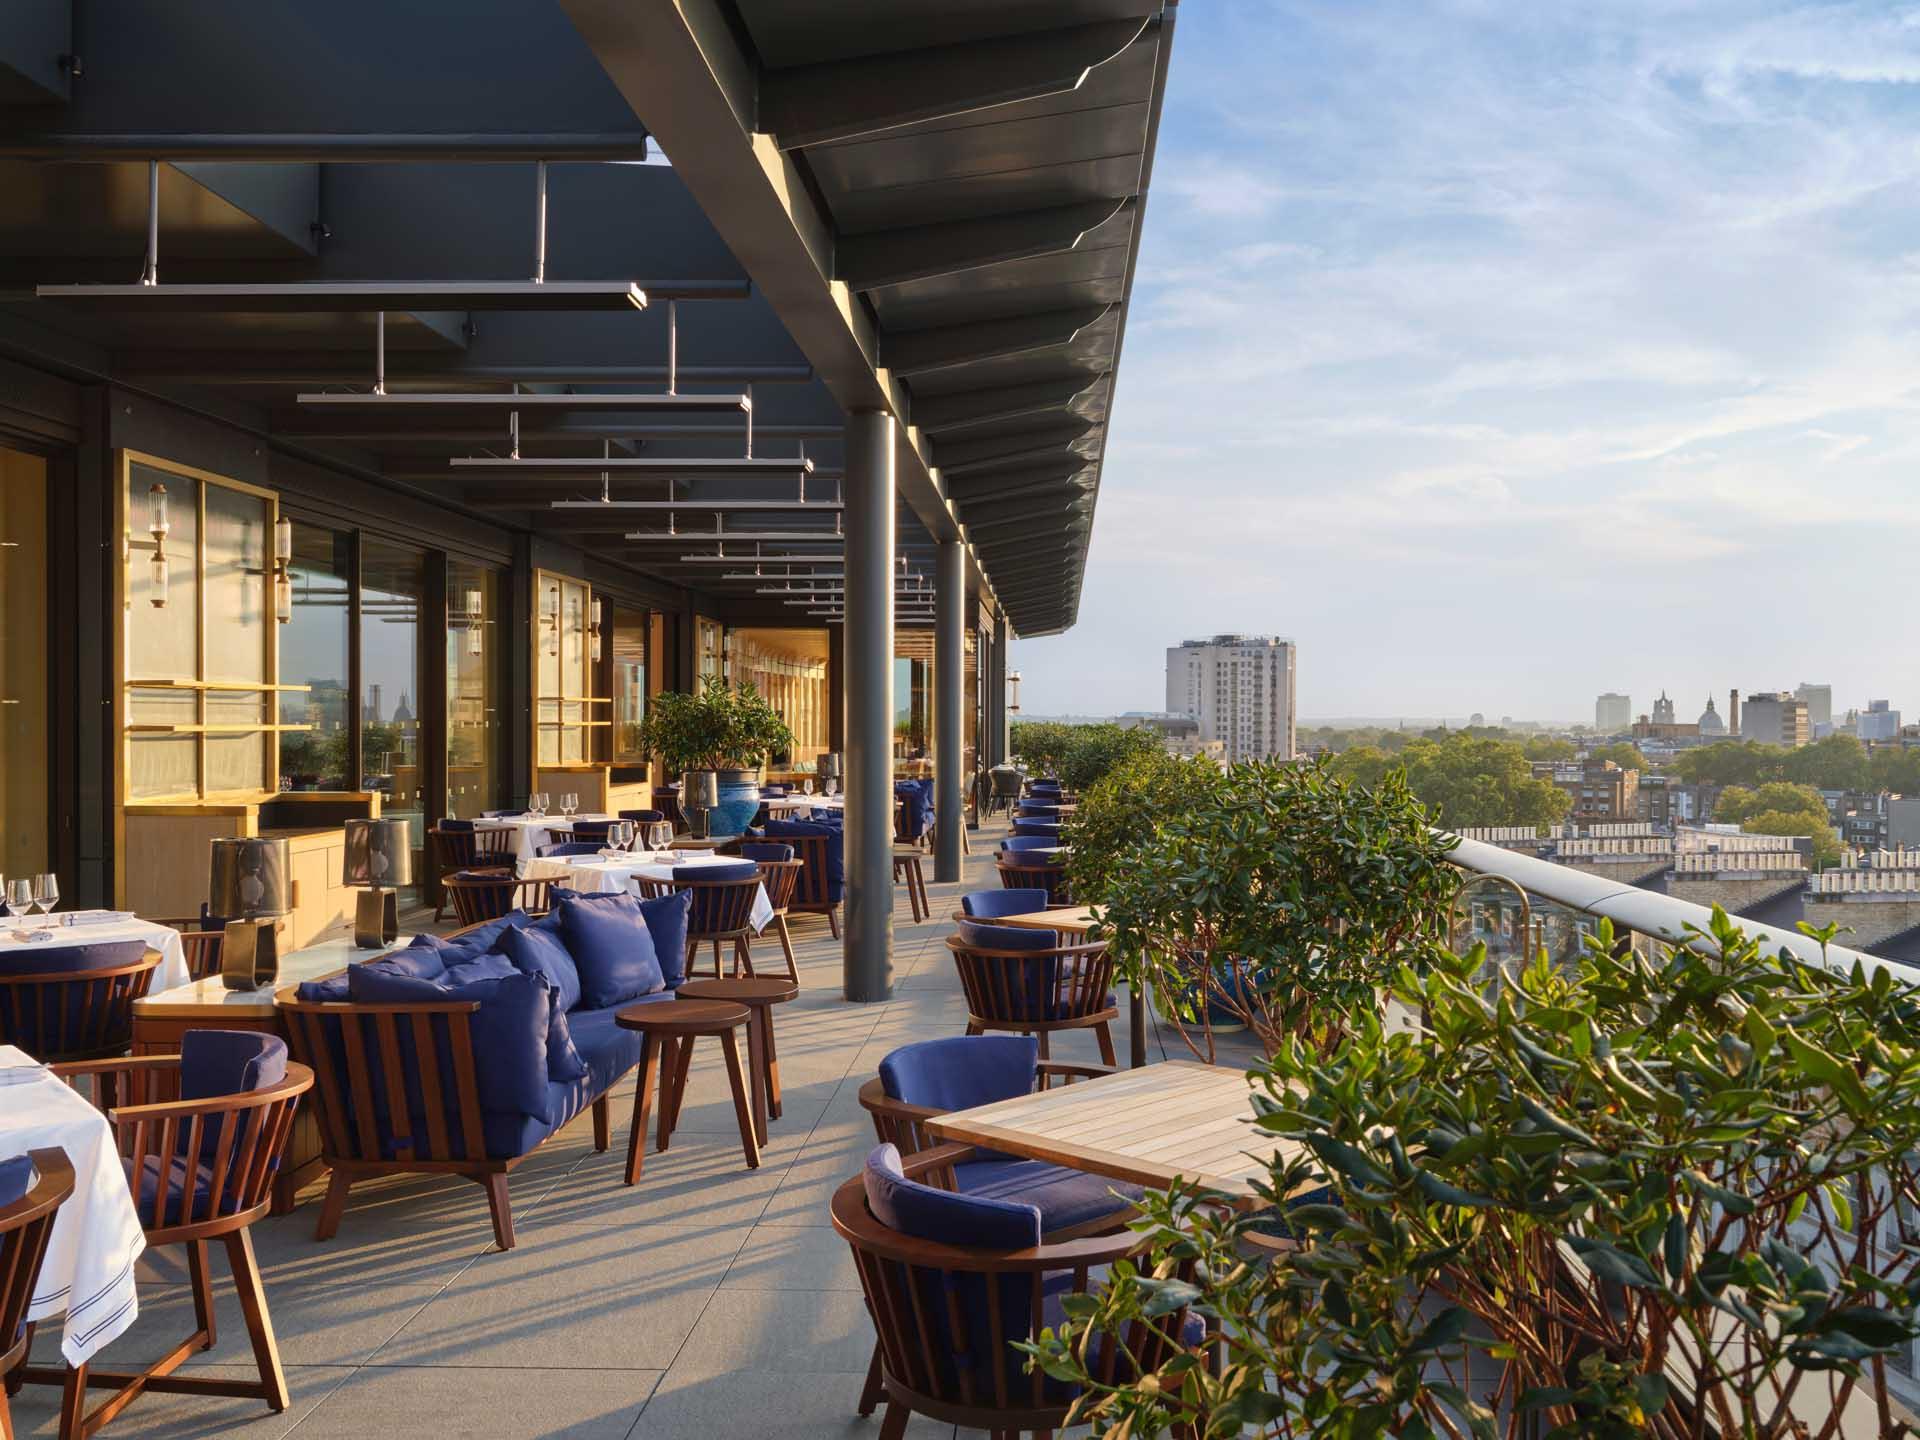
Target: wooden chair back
pixel 469 849
pixel 811 891
pixel 393 1083
pixel 947 1316
pixel 904 1126
pixel 1065 985
pixel 203 951
pixel 57 1015
pixel 781 877
pixel 720 907
pixel 480 895
pixel 198 1168
pixel 25 1225
pixel 1019 874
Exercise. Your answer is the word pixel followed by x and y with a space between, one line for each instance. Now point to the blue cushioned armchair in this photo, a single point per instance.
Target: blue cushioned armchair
pixel 1029 982
pixel 73 1002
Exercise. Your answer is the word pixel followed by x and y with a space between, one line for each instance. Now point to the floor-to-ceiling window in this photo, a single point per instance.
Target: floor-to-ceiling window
pixel 315 651
pixel 24 682
pixel 631 629
pixel 789 668
pixel 475 652
pixel 392 591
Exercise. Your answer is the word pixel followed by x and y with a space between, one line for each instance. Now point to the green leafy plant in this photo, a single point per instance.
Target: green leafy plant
pixel 1665 1196
pixel 1286 898
pixel 1079 754
pixel 1117 820
pixel 718 727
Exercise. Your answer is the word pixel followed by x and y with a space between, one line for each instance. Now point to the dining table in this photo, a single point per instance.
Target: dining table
pixel 793 804
pixel 530 832
pixel 88 1274
pixel 612 872
pixel 1178 1120
pixel 22 935
pixel 1077 921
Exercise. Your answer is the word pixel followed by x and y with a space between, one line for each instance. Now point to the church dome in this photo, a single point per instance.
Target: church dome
pixel 1710 721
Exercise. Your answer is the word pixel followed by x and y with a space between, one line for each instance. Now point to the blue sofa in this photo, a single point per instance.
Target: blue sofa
pixel 462 1055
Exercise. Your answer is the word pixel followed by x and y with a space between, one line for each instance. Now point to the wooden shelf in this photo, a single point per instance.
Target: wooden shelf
pixel 198 729
pixel 245 687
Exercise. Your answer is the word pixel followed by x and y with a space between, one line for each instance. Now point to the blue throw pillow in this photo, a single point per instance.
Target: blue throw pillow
pixel 330 991
pixel 666 917
pixel 563 1056
pixel 425 961
pixel 613 950
pixel 536 950
pixel 481 937
pixel 509 1030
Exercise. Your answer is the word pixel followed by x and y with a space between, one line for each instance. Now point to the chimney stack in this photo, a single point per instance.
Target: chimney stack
pixel 1733 714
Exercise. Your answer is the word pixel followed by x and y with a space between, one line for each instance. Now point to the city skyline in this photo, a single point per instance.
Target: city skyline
pixel 1532 353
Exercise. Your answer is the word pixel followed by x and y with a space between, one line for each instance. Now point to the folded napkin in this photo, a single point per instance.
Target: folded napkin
pixel 97 917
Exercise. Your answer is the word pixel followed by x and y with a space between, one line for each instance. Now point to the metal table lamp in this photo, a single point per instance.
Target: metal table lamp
pixel 699 797
pixel 829 765
pixel 379 859
pixel 248 886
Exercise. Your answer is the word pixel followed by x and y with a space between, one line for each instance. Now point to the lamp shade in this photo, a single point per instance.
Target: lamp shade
pixel 829 765
pixel 701 791
pixel 248 878
pixel 379 854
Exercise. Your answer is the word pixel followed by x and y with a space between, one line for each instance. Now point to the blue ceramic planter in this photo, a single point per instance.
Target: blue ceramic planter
pixel 739 800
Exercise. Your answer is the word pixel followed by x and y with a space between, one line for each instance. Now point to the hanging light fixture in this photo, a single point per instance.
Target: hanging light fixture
pixel 593 630
pixel 282 573
pixel 553 619
pixel 474 621
pixel 158 526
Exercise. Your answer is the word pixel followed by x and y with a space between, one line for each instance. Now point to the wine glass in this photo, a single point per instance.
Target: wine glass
pixel 20 896
pixel 539 798
pixel 46 892
pixel 570 803
pixel 806 785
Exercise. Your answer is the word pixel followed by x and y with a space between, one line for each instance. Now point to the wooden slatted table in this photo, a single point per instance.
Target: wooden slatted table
pixel 1151 1126
pixel 1077 920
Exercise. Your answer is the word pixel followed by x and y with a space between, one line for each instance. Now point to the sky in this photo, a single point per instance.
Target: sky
pixel 1500 354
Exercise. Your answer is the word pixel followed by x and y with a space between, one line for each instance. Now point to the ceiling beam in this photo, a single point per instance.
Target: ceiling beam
pixel 941 347
pixel 987 452
pixel 844 99
pixel 965 409
pixel 920 252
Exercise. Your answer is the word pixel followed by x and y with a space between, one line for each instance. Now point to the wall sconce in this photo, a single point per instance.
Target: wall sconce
pixel 282 574
pixel 474 622
pixel 158 526
pixel 593 632
pixel 1013 692
pixel 551 619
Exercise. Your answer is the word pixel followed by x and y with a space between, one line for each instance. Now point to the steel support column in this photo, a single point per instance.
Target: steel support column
pixel 949 645
pixel 868 493
pixel 999 719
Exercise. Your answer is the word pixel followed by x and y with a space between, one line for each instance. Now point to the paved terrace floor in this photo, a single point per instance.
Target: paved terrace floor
pixel 709 1301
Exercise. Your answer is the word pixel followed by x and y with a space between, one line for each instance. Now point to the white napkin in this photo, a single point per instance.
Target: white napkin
pixel 96 917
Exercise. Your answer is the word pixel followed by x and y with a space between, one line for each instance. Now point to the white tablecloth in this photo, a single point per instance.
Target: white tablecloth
pixel 88 1274
pixel 789 804
pixel 529 833
pixel 171 971
pixel 594 876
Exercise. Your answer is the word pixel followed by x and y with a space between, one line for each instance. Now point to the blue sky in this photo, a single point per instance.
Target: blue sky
pixel 1504 353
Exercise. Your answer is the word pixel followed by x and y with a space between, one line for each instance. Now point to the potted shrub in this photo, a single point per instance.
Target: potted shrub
pixel 1665 1196
pixel 1283 897
pixel 727 729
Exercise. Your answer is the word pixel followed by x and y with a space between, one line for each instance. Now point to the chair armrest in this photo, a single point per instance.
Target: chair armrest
pixel 1084 1072
pixel 67 1069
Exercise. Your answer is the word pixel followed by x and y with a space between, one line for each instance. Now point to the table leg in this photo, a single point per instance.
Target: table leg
pixel 642 1097
pixel 757 1068
pixel 773 1067
pixel 671 1099
pixel 748 1146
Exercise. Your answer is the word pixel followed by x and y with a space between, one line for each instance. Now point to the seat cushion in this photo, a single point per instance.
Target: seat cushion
pixel 608 1050
pixel 538 950
pixel 958 1072
pixel 426 962
pixel 992 904
pixel 613 949
pixel 1006 937
pixel 765 850
pixel 509 1029
pixel 1063 1197
pixel 17 1177
pixel 927 1213
pixel 229 1062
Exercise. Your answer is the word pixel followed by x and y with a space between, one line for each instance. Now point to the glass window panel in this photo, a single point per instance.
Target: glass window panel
pixel 474 660
pixel 629 657
pixel 163 621
pixel 236 707
pixel 163 707
pixel 162 766
pixel 234 762
pixel 24 824
pixel 314 653
pixel 392 586
pixel 235 589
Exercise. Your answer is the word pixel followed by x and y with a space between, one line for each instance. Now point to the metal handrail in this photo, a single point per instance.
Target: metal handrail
pixel 1660 917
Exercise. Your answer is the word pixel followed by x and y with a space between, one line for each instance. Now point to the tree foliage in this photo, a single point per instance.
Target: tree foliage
pixel 1464 780
pixel 1731 762
pixel 1119 818
pixel 1780 808
pixel 1548 747
pixel 717 727
pixel 1839 762
pixel 1623 753
pixel 1656 1196
pixel 1080 755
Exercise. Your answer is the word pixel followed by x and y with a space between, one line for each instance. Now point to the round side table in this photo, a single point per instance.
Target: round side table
pixel 763 1060
pixel 668 1029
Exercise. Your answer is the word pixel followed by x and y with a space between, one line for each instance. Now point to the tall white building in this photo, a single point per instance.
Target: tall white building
pixel 1612 713
pixel 1240 688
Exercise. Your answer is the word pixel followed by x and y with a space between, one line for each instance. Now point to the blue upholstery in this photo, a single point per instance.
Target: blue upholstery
pixel 226 1062
pixel 666 918
pixel 1065 1198
pixel 594 831
pixel 927 1213
pixel 500 814
pixel 425 962
pixel 612 948
pixel 1020 844
pixel 642 817
pixel 708 917
pixel 836 877
pixel 1006 937
pixel 765 850
pixel 538 950
pixel 59 1020
pixel 1031 988
pixel 745 870
pixel 918 798
pixel 992 904
pixel 17 1177
pixel 566 847
pixel 1036 827
pixel 482 936
pixel 452 826
pixel 509 1029
pixel 960 1071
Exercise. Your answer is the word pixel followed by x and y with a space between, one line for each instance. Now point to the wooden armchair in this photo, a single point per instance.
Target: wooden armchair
pixel 200 1169
pixel 25 1223
pixel 813 895
pixel 1036 991
pixel 781 878
pixel 904 1125
pixel 722 912
pixel 76 1003
pixel 462 847
pixel 947 1315
pixel 481 895
pixel 1017 872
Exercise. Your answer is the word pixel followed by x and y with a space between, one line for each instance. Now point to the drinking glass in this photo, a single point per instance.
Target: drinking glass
pixel 660 834
pixel 20 896
pixel 539 802
pixel 46 892
pixel 806 785
pixel 570 803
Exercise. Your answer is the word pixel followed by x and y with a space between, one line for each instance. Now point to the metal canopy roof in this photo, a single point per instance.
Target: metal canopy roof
pixel 947 218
